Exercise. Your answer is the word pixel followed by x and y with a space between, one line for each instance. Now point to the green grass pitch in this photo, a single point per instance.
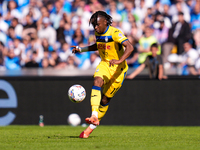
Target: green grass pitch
pixel 15 137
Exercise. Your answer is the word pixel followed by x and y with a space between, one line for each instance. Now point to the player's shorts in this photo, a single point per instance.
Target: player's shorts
pixel 113 77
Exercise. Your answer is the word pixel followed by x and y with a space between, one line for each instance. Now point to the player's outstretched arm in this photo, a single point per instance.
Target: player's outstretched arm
pixel 128 49
pixel 136 72
pixel 77 49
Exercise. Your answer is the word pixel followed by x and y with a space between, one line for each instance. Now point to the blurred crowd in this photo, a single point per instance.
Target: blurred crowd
pixel 40 33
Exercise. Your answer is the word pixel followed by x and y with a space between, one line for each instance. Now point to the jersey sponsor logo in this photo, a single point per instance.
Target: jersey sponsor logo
pixel 102 46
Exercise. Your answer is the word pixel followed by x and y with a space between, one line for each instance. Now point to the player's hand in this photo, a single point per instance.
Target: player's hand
pixel 113 62
pixel 76 49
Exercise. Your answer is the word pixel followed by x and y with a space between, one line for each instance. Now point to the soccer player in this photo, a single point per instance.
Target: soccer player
pixel 113 49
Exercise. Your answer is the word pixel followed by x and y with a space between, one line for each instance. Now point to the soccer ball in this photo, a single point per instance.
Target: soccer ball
pixel 74 119
pixel 77 93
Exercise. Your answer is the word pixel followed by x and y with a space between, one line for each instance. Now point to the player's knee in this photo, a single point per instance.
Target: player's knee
pixel 98 81
pixel 105 100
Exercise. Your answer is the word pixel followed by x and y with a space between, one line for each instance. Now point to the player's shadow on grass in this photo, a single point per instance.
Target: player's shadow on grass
pixel 74 137
pixel 64 137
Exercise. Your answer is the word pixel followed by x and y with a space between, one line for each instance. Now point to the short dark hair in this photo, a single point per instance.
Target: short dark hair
pixel 154 45
pixel 180 13
pixel 93 19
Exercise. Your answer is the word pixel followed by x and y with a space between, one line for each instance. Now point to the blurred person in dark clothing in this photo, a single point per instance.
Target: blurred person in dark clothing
pixel 32 63
pixel 54 59
pixel 29 26
pixel 154 64
pixel 178 34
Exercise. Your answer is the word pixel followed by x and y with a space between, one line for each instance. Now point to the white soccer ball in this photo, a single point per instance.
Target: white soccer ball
pixel 77 93
pixel 74 119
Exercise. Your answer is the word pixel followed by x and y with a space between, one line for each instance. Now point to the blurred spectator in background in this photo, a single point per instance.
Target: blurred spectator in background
pixel 44 14
pixel 189 59
pixel 179 6
pixel 18 28
pixel 196 38
pixel 136 31
pixel 82 59
pixel 45 63
pixel 2 53
pixel 3 37
pixel 191 4
pixel 57 14
pixel 113 11
pixel 186 61
pixel 60 32
pixel 94 60
pixel 11 11
pixel 10 36
pixel 47 31
pixel 32 9
pixel 12 62
pixel 178 34
pixel 3 25
pixel 45 45
pixel 144 44
pixel 161 32
pixel 37 47
pixel 141 11
pixel 54 59
pixel 78 37
pixel 32 62
pixel 127 16
pixel 19 47
pixel 154 64
pixel 167 16
pixel 132 60
pixel 64 52
pixel 71 63
pixel 195 17
pixel 29 26
pixel 68 32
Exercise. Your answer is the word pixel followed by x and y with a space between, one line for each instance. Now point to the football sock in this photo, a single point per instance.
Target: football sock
pixel 95 98
pixel 102 111
pixel 95 113
pixel 92 126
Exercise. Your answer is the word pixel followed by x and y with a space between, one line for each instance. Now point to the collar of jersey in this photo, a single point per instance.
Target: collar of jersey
pixel 106 30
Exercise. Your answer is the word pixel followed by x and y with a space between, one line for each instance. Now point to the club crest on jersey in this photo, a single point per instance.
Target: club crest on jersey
pixel 106 39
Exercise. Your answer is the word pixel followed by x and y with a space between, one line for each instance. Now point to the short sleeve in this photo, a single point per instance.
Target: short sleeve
pixel 119 37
